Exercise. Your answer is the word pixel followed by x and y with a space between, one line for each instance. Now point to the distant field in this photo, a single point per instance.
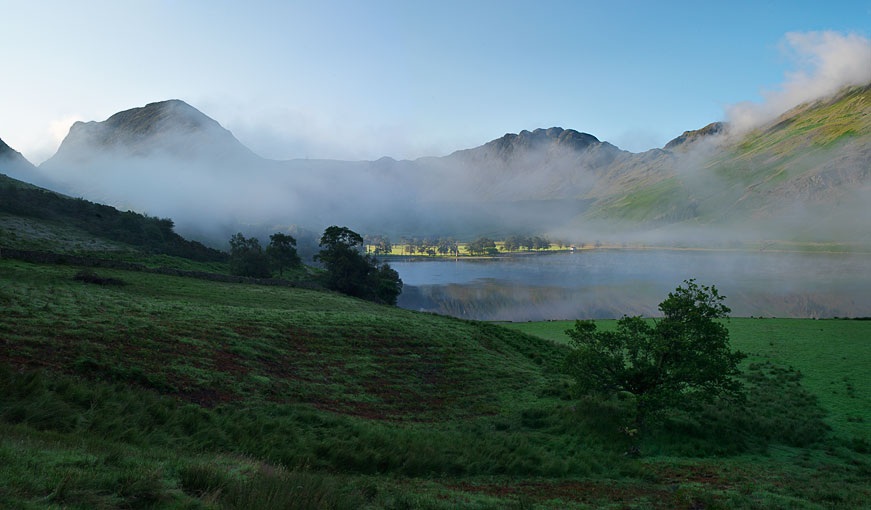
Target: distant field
pixel 403 249
pixel 833 355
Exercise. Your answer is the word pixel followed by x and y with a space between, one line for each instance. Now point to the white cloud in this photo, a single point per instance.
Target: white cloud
pixel 826 62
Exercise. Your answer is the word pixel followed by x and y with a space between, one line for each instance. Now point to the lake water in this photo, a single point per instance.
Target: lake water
pixel 610 283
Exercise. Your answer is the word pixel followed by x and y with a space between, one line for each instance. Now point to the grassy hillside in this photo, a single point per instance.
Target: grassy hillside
pixel 242 342
pixel 814 156
pixel 166 392
pixel 31 214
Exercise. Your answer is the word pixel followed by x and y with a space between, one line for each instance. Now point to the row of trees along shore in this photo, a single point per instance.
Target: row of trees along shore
pixel 381 245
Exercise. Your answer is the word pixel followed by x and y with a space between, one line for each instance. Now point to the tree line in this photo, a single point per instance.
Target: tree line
pixel 348 270
pixel 430 246
pixel 382 245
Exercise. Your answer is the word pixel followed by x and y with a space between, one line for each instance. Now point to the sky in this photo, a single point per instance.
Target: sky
pixel 405 79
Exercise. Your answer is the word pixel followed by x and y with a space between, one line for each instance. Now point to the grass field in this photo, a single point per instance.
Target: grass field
pixel 833 356
pixel 170 392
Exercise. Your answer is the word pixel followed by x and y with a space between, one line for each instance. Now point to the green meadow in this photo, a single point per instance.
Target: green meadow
pixel 832 355
pixel 172 392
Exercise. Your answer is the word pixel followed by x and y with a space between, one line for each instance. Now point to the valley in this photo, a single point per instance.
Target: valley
pixel 156 351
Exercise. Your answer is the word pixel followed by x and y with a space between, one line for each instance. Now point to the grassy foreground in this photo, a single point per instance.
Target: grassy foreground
pixel 169 392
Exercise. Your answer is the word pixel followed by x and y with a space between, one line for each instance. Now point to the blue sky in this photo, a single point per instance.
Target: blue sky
pixel 360 80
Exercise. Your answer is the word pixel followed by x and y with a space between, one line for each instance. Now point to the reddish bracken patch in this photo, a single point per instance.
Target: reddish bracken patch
pixel 621 494
pixel 699 475
pixel 206 397
pixel 230 363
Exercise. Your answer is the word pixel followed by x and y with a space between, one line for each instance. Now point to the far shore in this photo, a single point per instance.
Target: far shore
pixel 809 248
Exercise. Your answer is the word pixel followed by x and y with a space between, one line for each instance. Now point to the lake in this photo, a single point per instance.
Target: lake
pixel 600 284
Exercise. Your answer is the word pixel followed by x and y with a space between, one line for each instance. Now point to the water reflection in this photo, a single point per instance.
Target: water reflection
pixel 608 284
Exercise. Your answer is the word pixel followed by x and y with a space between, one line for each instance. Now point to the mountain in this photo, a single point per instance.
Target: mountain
pixel 165 159
pixel 169 159
pixel 690 138
pixel 13 164
pixel 551 139
pixel 809 169
pixel 172 129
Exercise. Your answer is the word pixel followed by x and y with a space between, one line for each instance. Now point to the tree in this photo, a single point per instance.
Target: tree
pixel 386 284
pixel 482 245
pixel 282 252
pixel 684 358
pixel 350 272
pixel 455 247
pixel 528 242
pixel 384 246
pixel 340 237
pixel 429 246
pixel 512 243
pixel 416 245
pixel 540 243
pixel 247 257
pixel 444 247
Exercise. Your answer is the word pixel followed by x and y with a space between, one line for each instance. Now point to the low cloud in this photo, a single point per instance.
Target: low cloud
pixel 826 62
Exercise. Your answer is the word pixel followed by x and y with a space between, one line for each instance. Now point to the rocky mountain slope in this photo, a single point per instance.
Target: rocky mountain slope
pixel 812 164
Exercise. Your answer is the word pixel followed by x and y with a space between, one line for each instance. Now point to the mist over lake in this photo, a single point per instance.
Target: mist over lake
pixel 611 283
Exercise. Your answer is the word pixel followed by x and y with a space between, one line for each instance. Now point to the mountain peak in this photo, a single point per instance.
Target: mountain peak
pixel 690 137
pixel 13 164
pixel 149 120
pixel 12 155
pixel 165 127
pixel 6 150
pixel 542 139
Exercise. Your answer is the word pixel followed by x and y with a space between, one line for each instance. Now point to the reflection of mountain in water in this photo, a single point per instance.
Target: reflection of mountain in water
pixel 611 283
pixel 497 300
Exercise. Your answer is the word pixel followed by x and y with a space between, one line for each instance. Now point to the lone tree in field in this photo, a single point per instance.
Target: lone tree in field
pixel 282 252
pixel 685 357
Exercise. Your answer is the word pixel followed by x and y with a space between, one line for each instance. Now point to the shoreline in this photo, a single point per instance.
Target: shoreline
pixel 424 258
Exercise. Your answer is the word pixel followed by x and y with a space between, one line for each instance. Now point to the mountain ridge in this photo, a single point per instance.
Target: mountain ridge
pixel 795 157
pixel 15 165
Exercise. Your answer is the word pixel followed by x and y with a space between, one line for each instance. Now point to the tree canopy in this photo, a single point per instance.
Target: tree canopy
pixel 483 246
pixel 350 272
pixel 247 257
pixel 684 357
pixel 282 252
